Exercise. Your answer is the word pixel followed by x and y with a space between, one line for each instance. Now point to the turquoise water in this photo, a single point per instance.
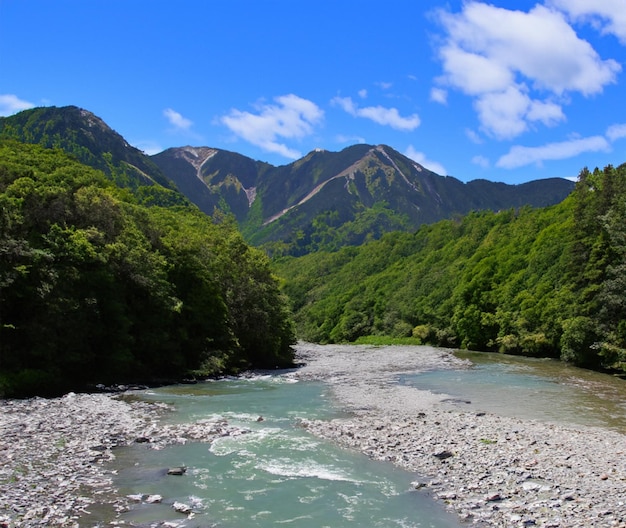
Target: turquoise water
pixel 275 475
pixel 529 388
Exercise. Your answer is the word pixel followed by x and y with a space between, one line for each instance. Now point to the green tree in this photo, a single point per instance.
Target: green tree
pixel 97 288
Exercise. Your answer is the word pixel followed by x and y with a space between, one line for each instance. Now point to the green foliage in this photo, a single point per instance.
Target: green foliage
pixel 328 230
pixel 579 336
pixel 328 200
pixel 95 288
pixel 88 139
pixel 542 282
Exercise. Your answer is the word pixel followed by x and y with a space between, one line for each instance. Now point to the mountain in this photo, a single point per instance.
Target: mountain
pixel 329 199
pixel 213 178
pixel 325 200
pixel 90 140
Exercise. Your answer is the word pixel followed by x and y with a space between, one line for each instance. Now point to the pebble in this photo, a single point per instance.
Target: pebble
pixel 53 461
pixel 491 470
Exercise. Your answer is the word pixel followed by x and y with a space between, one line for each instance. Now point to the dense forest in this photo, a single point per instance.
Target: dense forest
pixel 547 282
pixel 107 278
pixel 96 286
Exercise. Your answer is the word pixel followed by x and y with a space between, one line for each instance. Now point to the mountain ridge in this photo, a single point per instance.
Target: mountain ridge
pixel 324 200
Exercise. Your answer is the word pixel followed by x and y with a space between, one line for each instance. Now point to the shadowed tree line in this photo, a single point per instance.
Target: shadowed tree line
pixel 96 287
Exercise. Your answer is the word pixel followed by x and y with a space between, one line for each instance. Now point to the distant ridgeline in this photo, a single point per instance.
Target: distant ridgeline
pixel 542 282
pixel 323 201
pixel 328 200
pixel 97 288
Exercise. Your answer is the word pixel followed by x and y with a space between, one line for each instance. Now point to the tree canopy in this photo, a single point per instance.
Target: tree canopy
pixel 96 287
pixel 547 282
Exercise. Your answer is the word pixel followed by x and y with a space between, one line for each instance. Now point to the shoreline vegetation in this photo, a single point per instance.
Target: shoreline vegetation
pixel 490 470
pixel 544 282
pixel 100 285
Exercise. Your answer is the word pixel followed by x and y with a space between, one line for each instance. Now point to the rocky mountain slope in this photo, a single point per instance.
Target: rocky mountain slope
pixel 339 198
pixel 323 201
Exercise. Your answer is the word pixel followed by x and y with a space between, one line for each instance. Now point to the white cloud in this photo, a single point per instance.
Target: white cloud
pixel 345 103
pixel 11 104
pixel 481 161
pixel 548 112
pixel 291 118
pixel 439 95
pixel 473 136
pixel 472 73
pixel 506 114
pixel 349 139
pixel 390 117
pixel 502 57
pixel 519 156
pixel 616 131
pixel 363 93
pixel 177 120
pixel 421 158
pixel 503 113
pixel 384 85
pixel 379 114
pixel 608 15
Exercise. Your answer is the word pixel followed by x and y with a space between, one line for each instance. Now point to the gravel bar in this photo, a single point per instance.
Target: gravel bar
pixel 54 453
pixel 491 470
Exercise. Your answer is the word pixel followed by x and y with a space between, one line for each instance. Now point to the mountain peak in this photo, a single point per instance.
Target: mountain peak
pixel 86 136
pixel 323 200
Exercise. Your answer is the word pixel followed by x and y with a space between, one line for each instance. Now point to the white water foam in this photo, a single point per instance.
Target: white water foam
pixel 270 378
pixel 243 444
pixel 304 469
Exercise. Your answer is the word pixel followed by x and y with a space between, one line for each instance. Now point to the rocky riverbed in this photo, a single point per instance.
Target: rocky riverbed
pixel 491 470
pixel 54 453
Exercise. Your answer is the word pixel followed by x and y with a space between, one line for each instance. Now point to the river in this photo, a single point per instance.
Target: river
pixel 529 388
pixel 276 473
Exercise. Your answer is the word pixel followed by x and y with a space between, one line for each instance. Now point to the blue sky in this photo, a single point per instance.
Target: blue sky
pixel 508 91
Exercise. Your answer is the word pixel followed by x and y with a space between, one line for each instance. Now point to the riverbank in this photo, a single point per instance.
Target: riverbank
pixel 491 470
pixel 54 453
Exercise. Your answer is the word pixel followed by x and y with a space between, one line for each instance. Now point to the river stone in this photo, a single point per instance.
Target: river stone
pixel 135 497
pixel 181 507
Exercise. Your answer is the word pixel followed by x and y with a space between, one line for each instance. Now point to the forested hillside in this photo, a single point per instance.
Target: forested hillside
pixel 91 141
pixel 544 282
pixel 97 288
pixel 323 201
